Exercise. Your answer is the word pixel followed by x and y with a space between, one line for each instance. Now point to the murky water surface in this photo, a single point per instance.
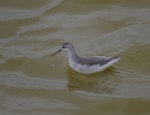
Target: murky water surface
pixel 32 82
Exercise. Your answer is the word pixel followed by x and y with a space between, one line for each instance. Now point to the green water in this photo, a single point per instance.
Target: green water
pixel 32 82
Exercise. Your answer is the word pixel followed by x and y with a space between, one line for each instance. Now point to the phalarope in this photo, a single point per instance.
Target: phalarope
pixel 86 65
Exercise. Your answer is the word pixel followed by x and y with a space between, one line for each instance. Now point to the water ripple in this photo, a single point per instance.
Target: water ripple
pixel 14 79
pixel 26 14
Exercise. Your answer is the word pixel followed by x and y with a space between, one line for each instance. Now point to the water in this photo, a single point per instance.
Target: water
pixel 33 82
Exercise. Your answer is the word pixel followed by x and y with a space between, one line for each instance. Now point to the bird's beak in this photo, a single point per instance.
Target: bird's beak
pixel 56 52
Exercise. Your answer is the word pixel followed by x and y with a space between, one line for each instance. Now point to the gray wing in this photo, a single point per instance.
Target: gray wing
pixel 96 60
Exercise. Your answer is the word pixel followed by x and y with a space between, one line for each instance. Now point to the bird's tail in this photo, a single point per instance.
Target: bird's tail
pixel 116 58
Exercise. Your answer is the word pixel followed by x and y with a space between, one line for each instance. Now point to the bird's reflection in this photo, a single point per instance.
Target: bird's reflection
pixel 104 82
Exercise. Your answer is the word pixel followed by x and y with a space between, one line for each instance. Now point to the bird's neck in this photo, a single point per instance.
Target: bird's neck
pixel 72 54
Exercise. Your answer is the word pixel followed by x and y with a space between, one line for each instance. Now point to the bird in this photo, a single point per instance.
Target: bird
pixel 85 64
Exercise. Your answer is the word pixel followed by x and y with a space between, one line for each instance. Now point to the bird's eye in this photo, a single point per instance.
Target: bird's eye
pixel 63 47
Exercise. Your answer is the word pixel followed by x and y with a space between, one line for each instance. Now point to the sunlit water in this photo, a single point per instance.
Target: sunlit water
pixel 33 82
